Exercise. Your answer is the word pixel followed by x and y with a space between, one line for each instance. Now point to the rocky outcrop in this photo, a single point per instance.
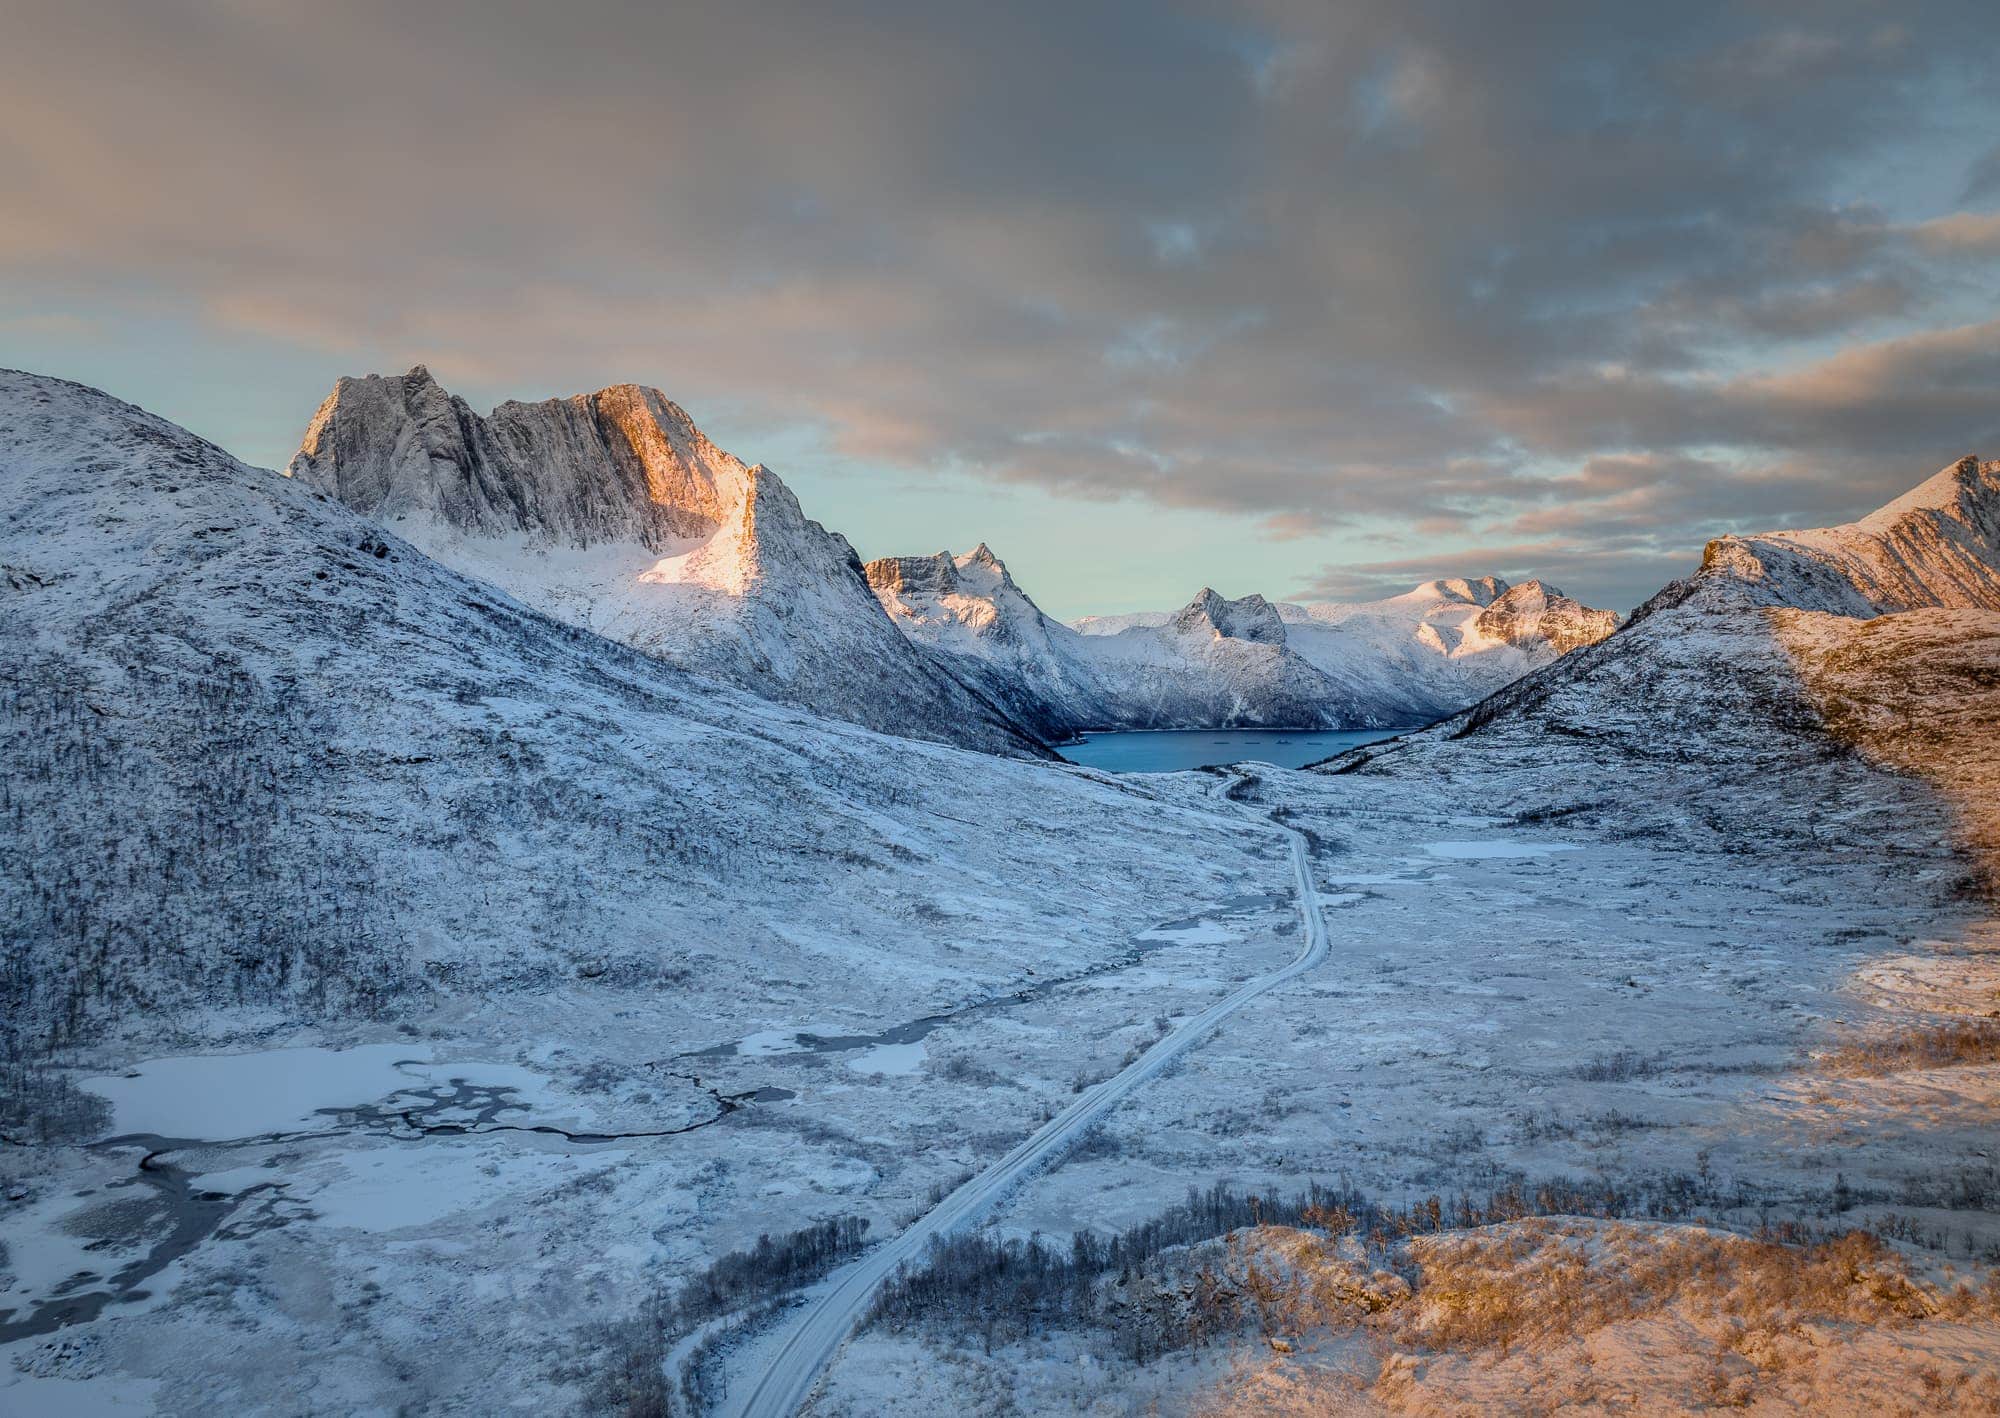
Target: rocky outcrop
pixel 612 511
pixel 1251 618
pixel 915 575
pixel 1533 613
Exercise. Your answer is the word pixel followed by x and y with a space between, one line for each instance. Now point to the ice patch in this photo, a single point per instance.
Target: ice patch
pixel 394 1188
pixel 42 1253
pixel 899 1059
pixel 766 1042
pixel 221 1096
pixel 1463 851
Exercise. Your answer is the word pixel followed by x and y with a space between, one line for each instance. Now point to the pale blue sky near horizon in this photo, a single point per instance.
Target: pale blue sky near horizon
pixel 1305 299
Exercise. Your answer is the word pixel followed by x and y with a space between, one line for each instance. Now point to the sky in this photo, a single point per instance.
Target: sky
pixel 1309 299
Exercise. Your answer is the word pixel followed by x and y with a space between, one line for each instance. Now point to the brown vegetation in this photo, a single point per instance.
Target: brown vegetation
pixel 1955 1044
pixel 1568 1314
pixel 1919 693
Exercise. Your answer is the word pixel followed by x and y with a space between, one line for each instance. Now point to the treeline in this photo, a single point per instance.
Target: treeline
pixel 747 1283
pixel 767 1269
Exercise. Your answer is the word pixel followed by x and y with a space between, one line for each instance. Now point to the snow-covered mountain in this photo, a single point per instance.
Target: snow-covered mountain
pixel 1232 663
pixel 1731 664
pixel 612 511
pixel 969 610
pixel 1933 546
pixel 260 756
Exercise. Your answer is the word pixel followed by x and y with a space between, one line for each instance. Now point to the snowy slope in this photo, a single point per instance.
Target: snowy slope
pixel 1933 546
pixel 1233 663
pixel 1443 645
pixel 257 753
pixel 1709 669
pixel 612 511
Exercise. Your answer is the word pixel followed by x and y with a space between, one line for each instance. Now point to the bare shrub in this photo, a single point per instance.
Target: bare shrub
pixel 1953 1045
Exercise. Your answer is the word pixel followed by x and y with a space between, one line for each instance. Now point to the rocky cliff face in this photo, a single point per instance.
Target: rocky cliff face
pixel 622 465
pixel 612 511
pixel 1532 614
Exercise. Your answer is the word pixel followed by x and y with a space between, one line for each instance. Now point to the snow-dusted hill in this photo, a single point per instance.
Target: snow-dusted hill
pixel 258 753
pixel 968 610
pixel 1233 663
pixel 613 512
pixel 1933 546
pixel 1709 670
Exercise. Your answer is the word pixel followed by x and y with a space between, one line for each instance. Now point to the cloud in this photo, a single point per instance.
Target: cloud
pixel 1390 271
pixel 1972 232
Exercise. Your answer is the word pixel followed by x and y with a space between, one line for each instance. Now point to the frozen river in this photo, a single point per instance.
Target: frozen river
pixel 1174 750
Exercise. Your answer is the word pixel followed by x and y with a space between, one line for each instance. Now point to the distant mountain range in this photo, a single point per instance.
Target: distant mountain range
pixel 261 758
pixel 1221 663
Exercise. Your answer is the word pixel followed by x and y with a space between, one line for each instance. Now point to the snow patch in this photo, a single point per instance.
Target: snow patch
pixel 895 1059
pixel 1472 851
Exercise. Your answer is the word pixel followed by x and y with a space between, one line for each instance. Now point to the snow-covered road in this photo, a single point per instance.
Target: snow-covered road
pixel 814 1336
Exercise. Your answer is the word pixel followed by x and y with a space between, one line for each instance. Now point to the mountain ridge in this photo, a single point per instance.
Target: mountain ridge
pixel 1715 665
pixel 613 511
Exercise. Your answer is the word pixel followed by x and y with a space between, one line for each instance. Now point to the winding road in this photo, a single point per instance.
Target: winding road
pixel 815 1334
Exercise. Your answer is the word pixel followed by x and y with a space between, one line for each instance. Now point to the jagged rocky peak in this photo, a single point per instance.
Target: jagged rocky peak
pixel 978 573
pixel 611 511
pixel 624 464
pixel 1250 618
pixel 1936 545
pixel 914 575
pixel 1967 492
pixel 1479 591
pixel 1535 611
pixel 984 572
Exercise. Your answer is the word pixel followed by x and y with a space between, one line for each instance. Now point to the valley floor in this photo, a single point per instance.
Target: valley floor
pixel 477 1211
